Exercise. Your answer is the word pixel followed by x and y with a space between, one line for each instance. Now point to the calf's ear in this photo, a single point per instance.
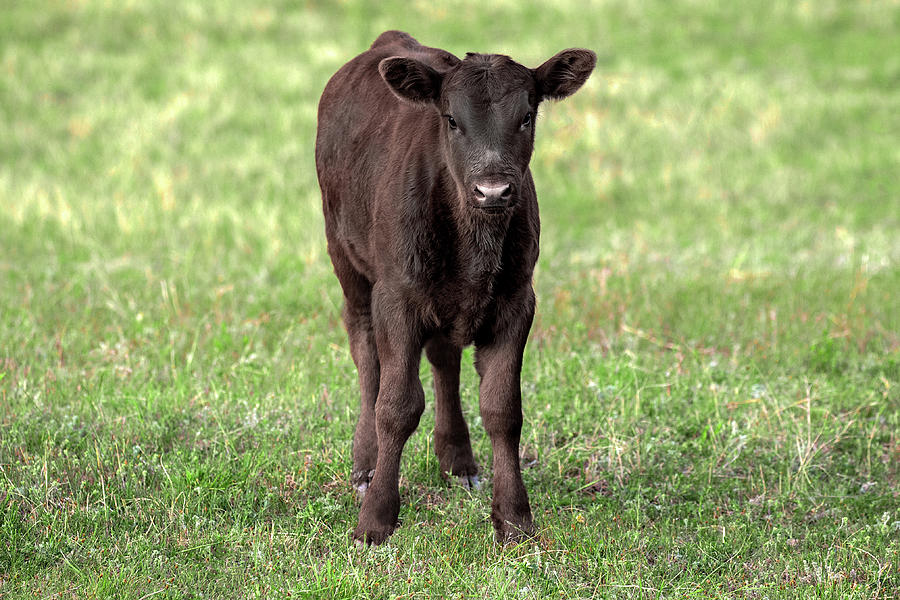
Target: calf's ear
pixel 411 80
pixel 562 75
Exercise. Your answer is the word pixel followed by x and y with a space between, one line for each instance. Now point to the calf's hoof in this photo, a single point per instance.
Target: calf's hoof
pixel 371 534
pixel 508 532
pixel 361 481
pixel 455 458
pixel 470 482
pixel 377 515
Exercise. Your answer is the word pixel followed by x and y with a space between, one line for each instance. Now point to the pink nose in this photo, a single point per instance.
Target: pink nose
pixel 493 195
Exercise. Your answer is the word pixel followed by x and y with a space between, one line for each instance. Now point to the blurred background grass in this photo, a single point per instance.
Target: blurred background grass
pixel 717 146
pixel 717 293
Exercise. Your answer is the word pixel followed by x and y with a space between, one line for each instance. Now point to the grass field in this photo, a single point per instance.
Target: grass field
pixel 712 385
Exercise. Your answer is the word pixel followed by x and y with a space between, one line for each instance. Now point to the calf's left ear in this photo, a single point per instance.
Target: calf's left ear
pixel 562 75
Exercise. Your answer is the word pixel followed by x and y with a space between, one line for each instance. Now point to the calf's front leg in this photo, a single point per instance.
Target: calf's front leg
pixel 398 408
pixel 500 364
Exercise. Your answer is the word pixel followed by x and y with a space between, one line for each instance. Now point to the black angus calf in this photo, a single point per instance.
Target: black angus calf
pixel 432 226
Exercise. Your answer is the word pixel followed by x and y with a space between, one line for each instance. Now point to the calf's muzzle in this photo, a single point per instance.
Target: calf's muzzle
pixel 492 195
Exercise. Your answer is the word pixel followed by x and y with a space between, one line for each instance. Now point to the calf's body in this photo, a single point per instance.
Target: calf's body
pixel 432 225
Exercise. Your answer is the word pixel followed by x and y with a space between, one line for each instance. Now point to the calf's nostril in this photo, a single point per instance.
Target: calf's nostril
pixel 490 194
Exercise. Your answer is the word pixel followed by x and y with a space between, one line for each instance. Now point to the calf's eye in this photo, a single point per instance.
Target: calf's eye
pixel 526 121
pixel 451 122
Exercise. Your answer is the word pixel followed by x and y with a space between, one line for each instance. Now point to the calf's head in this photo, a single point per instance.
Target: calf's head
pixel 488 104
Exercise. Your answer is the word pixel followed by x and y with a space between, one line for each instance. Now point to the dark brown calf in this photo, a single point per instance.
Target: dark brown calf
pixel 432 226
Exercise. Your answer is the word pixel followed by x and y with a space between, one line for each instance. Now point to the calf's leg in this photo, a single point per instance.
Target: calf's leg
pixel 499 362
pixel 365 441
pixel 451 435
pixel 398 408
pixel 358 321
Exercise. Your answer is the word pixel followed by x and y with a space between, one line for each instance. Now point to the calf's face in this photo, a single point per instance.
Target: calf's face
pixel 488 104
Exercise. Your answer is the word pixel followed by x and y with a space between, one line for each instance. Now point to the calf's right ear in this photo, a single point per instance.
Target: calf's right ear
pixel 411 80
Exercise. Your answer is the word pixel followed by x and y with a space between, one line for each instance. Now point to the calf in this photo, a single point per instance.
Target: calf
pixel 432 226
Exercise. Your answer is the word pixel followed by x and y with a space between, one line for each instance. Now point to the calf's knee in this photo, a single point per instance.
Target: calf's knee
pixel 397 411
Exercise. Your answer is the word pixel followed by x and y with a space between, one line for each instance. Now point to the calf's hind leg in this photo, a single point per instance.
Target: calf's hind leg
pixel 451 435
pixel 358 321
pixel 365 441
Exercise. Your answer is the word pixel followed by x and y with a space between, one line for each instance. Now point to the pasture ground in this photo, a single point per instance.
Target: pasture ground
pixel 712 385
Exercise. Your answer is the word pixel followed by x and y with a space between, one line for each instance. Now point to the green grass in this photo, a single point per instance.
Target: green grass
pixel 712 385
